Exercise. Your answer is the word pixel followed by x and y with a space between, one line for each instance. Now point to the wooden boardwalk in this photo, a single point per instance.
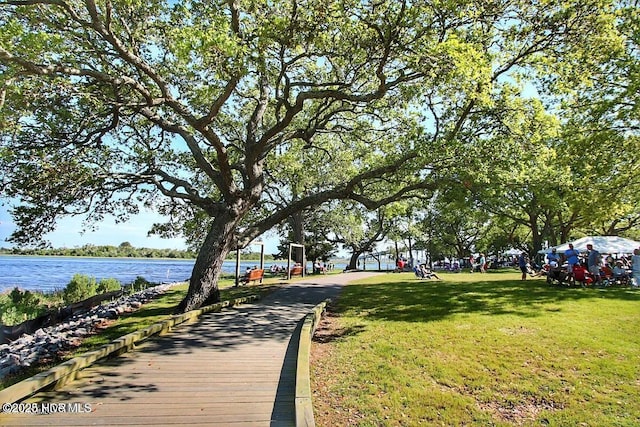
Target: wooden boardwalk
pixel 232 368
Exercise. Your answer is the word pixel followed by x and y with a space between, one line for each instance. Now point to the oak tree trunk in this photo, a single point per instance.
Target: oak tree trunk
pixel 353 262
pixel 203 285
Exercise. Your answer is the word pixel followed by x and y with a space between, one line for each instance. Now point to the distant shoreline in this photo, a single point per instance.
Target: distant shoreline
pixel 51 273
pixel 2 254
pixel 243 259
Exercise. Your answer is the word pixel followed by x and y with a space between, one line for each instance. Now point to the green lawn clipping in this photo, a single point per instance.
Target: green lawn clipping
pixel 478 349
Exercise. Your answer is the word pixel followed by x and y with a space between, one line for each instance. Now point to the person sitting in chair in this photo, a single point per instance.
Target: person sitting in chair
pixel 553 259
pixel 620 274
pixel 418 272
pixel 427 272
pixel 423 272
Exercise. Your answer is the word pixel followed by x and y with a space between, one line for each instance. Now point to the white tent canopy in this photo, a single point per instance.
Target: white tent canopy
pixel 513 251
pixel 603 244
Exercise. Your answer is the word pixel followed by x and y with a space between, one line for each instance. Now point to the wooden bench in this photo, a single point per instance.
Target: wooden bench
pixel 296 271
pixel 253 275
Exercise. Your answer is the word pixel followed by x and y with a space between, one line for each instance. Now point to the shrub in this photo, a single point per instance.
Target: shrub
pixel 108 285
pixel 140 283
pixel 18 306
pixel 24 299
pixel 9 315
pixel 79 288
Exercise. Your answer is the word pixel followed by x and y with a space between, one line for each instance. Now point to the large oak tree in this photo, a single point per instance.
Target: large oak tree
pixel 191 106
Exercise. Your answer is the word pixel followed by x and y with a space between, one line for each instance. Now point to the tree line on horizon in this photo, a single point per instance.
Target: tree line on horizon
pixel 124 250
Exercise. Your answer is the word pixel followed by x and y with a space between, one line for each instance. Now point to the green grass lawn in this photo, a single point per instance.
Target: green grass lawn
pixel 479 350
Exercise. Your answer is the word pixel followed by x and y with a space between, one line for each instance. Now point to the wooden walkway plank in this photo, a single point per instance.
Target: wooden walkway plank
pixel 234 368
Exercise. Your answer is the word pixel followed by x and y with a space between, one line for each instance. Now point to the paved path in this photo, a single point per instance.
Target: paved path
pixel 232 368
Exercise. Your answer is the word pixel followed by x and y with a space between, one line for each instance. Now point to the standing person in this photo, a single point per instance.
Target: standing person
pixel 522 263
pixel 483 263
pixel 635 268
pixel 593 263
pixel 571 255
pixel 472 262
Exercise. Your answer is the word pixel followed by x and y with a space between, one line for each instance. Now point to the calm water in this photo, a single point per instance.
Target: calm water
pixel 48 274
pixel 53 273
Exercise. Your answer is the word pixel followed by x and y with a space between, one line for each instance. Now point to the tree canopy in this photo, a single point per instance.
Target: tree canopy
pixel 200 108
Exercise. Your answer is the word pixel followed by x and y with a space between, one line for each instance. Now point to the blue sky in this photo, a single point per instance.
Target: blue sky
pixel 134 231
pixel 68 233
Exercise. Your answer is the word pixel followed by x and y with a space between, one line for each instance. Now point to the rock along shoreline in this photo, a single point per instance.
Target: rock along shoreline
pixel 47 344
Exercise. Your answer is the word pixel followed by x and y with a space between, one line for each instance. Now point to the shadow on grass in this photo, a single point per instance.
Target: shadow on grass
pixel 422 301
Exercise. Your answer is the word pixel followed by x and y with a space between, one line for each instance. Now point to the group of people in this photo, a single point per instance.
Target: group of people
pixel 481 263
pixel 321 268
pixel 318 268
pixel 589 268
pixel 422 271
pixel 276 269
